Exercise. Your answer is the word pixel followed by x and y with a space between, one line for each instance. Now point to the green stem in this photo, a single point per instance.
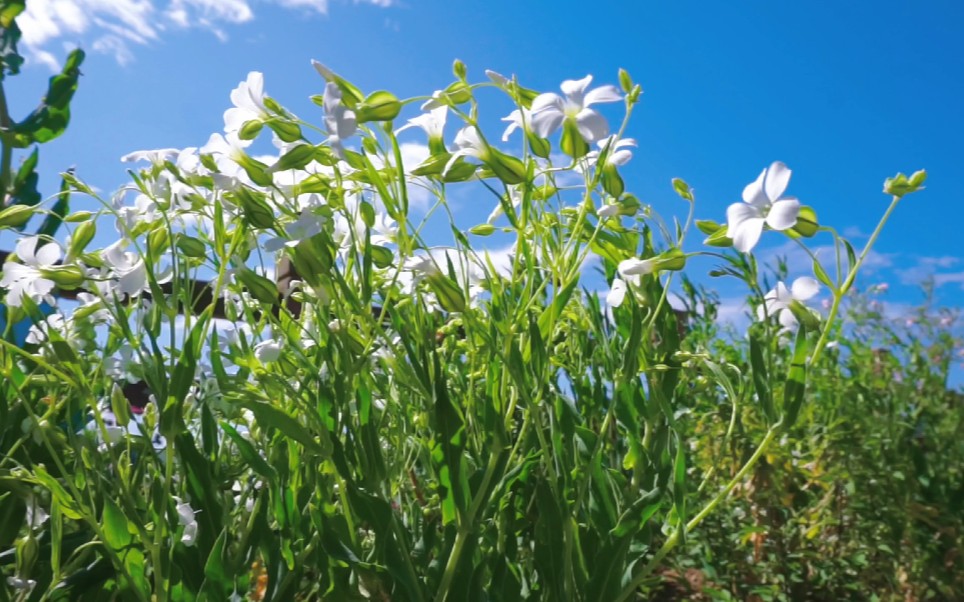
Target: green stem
pixel 674 539
pixel 6 150
pixel 453 562
pixel 838 296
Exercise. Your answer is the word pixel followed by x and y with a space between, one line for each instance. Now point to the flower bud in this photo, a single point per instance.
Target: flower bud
pixel 288 131
pixel 378 106
pixel 250 129
pixel 458 68
pixel 64 276
pixel 80 238
pixel 15 216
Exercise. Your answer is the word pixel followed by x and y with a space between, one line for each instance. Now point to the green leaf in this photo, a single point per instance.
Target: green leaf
pixel 10 36
pixel 448 293
pixel 55 218
pixel 217 583
pixel 260 287
pixel 761 382
pixel 822 275
pixel 269 416
pixel 50 118
pixel 249 454
pixel 679 488
pixel 60 496
pixel 115 526
pixel 796 383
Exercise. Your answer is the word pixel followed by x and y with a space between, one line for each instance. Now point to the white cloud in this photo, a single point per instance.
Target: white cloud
pixel 112 26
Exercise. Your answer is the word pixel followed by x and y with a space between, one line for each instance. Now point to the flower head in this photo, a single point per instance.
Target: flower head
pixel 778 301
pixel 432 123
pixel 339 119
pixel 248 100
pixel 550 110
pixel 763 203
pixel 26 279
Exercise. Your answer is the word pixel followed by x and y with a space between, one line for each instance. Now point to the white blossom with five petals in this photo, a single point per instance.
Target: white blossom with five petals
pixel 26 279
pixel 777 302
pixel 549 110
pixel 763 203
pixel 248 99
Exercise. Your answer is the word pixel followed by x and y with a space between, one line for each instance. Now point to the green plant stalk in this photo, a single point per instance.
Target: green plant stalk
pixel 465 529
pixel 838 295
pixel 674 539
pixel 6 151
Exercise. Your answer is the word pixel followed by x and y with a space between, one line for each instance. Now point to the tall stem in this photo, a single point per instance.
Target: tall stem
pixel 6 149
pixel 838 295
pixel 674 539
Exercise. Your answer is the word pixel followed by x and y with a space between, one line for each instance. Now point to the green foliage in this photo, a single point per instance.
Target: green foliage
pixel 390 420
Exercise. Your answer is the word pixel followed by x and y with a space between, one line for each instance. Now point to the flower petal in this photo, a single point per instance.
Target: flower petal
pixel 754 194
pixel 777 178
pixel 546 121
pixel 783 214
pixel 617 293
pixel 788 320
pixel 48 254
pixel 804 288
pixel 737 213
pixel 636 267
pixel 591 125
pixel 544 101
pixel 746 233
pixel 602 94
pixel 575 88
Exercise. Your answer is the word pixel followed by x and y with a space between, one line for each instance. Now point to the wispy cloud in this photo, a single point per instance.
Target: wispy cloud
pixel 115 26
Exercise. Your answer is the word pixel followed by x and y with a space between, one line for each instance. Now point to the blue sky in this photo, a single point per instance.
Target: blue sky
pixel 845 93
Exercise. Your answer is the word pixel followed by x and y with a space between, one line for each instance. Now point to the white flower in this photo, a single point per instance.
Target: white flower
pixel 468 143
pixel 517 119
pixel 549 110
pixel 36 515
pixel 185 516
pixel 248 99
pixel 307 225
pixel 127 268
pixel 619 153
pixel 144 211
pixel 228 154
pixel 268 351
pixel 39 333
pixel 26 279
pixel 19 583
pixel 384 230
pixel 608 211
pixel 777 302
pixel 617 293
pixel 154 157
pixel 339 119
pixel 432 122
pixel 763 203
pixel 515 199
pixel 631 272
pixel 423 265
pixel 636 267
pixel 125 367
